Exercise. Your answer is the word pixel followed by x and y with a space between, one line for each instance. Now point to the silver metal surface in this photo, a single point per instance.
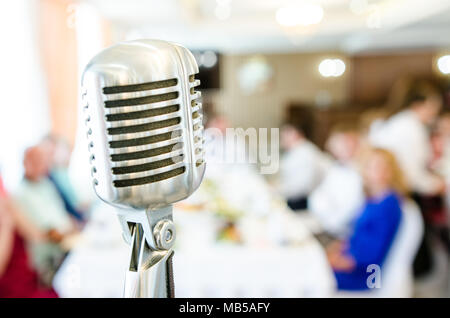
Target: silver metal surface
pixel 134 63
pixel 145 136
pixel 148 273
pixel 164 234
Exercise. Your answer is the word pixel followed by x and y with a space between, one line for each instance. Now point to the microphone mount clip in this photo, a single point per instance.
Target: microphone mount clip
pixel 151 234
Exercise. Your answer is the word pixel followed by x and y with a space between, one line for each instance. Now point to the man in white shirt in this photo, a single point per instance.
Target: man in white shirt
pixel 338 199
pixel 302 167
pixel 406 135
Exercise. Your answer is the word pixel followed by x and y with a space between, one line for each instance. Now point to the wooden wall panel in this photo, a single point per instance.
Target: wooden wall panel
pixel 372 76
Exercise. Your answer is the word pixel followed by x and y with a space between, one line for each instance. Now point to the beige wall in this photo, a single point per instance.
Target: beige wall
pixel 296 78
pixel 58 46
pixel 59 57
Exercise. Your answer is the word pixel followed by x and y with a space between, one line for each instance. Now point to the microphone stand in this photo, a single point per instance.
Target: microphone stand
pixel 151 234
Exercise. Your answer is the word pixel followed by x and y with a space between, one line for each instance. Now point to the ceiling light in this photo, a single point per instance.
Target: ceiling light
pixel 443 64
pixel 331 67
pixel 305 15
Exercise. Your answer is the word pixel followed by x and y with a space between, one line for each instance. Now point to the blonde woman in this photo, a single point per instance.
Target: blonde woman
pixel 375 228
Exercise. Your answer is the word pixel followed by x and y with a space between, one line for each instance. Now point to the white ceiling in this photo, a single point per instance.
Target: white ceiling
pixel 252 27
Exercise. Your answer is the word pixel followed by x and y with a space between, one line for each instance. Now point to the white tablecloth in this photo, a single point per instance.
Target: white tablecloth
pixel 202 268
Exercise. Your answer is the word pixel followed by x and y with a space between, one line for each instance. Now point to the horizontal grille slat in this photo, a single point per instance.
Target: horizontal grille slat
pixel 145 140
pixel 143 107
pixel 147 133
pixel 140 87
pixel 141 100
pixel 143 113
pixel 146 147
pixel 146 153
pixel 149 179
pixel 143 121
pixel 144 127
pixel 142 161
pixel 147 166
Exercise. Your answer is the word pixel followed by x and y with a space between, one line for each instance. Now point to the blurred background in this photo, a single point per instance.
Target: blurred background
pixel 360 93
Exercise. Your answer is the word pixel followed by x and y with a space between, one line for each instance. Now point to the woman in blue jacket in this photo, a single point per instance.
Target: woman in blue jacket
pixel 375 228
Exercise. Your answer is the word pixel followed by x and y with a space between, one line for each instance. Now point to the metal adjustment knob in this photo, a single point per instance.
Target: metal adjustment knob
pixel 164 234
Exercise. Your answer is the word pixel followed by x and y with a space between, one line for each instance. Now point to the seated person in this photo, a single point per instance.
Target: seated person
pixel 17 277
pixel 406 134
pixel 376 227
pixel 41 203
pixel 302 167
pixel 59 154
pixel 339 197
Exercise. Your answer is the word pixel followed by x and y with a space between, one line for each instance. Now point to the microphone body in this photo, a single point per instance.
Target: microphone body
pixel 145 136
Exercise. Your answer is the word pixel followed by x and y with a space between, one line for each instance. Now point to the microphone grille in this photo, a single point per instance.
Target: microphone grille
pixel 146 139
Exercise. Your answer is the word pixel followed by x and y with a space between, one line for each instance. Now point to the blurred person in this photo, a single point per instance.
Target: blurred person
pixel 369 119
pixel 41 203
pixel 443 124
pixel 223 176
pixel 406 135
pixel 338 198
pixel 366 121
pixel 59 153
pixel 376 226
pixel 17 277
pixel 438 206
pixel 440 141
pixel 302 167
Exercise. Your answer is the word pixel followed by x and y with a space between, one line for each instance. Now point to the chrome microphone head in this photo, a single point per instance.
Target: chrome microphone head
pixel 145 132
pixel 144 124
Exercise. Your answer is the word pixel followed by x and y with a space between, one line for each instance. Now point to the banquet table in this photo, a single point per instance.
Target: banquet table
pixel 203 267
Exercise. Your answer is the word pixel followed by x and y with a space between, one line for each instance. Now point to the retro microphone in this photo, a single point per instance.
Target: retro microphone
pixel 145 136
